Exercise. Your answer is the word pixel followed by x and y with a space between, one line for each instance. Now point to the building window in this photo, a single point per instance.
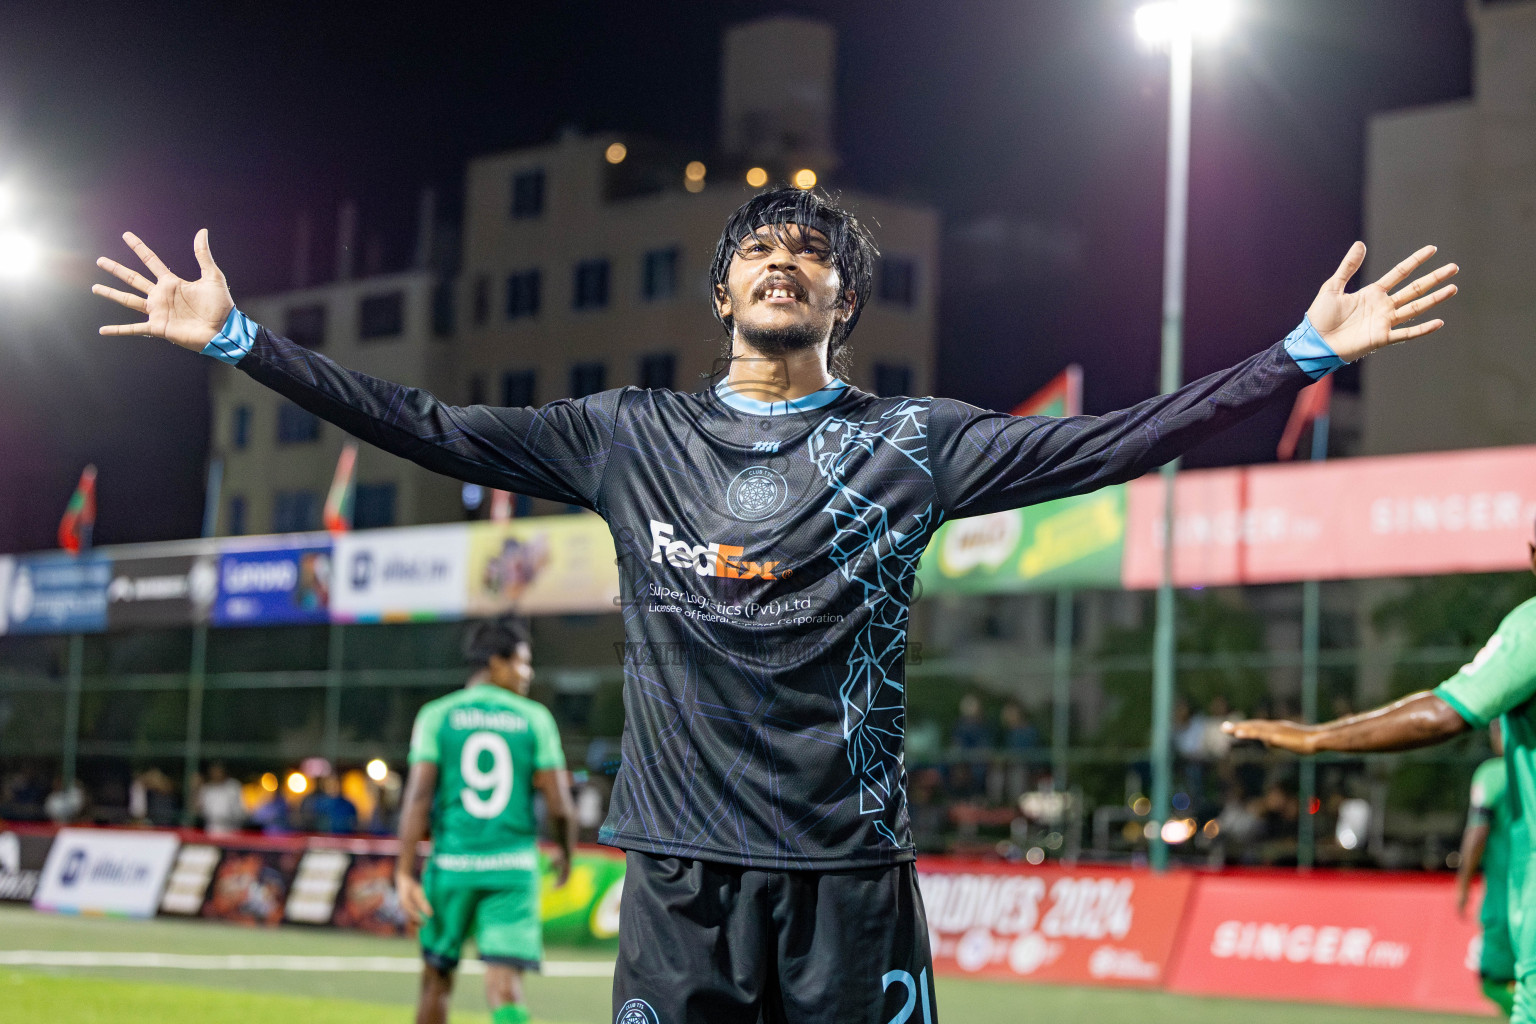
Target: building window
pixel 898 281
pixel 295 511
pixel 442 309
pixel 236 516
pixel 477 389
pixel 295 425
pixel 586 379
pixel 523 294
pixel 381 316
pixel 892 379
pixel 517 388
pixel 591 291
pixel 306 325
pixel 657 370
pixel 240 429
pixel 658 279
pixel 528 193
pixel 480 301
pixel 373 506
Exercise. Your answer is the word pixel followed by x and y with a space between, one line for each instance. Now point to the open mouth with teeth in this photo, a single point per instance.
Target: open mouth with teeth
pixel 780 293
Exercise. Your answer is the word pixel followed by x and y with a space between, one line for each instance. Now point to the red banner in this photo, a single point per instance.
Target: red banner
pixel 1400 515
pixel 1102 926
pixel 1322 939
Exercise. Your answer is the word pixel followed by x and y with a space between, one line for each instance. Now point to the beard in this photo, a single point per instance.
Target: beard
pixel 782 341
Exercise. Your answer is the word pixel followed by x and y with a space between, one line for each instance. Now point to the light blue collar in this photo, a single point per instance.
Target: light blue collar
pixel 815 400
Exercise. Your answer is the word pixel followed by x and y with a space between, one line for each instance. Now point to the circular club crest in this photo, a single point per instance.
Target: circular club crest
pixel 637 1011
pixel 756 493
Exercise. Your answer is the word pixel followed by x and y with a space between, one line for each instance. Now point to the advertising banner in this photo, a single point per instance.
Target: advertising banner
pixel 21 865
pixel 1362 941
pixel 1401 515
pixel 1072 542
pixel 106 871
pixel 1101 926
pixel 550 565
pixel 367 900
pixel 59 594
pixel 172 590
pixel 414 573
pixel 250 886
pixel 274 586
pixel 586 909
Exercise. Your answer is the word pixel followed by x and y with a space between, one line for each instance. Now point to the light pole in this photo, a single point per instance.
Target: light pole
pixel 1174 25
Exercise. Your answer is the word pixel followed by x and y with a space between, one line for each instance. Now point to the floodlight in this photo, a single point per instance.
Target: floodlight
pixel 20 255
pixel 1159 24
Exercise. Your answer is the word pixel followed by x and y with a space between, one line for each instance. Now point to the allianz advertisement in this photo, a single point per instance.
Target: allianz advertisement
pixel 415 573
pixel 274 586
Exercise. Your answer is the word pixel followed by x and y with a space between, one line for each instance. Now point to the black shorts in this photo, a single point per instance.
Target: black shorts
pixel 706 943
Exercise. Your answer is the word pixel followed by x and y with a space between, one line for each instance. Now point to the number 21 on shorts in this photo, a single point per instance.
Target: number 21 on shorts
pixel 916 988
pixel 498 779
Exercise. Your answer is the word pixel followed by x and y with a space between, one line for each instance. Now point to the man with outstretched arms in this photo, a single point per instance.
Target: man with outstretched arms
pixel 478 756
pixel 1496 686
pixel 768 529
pixel 1485 844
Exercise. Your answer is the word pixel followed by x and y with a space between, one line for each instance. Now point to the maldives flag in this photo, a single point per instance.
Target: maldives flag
pixel 1063 396
pixel 338 504
pixel 80 514
pixel 1311 405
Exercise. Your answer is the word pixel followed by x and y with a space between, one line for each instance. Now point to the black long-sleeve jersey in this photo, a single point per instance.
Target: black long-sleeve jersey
pixel 767 555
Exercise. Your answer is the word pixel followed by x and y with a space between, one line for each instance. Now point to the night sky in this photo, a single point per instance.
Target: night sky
pixel 1036 128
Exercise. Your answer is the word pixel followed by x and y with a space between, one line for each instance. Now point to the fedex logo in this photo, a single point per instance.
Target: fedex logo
pixel 713 559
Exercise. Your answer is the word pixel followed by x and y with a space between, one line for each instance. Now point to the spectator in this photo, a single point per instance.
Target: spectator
pixel 1019 733
pixel 332 812
pixel 272 816
pixel 152 799
pixel 65 804
pixel 219 802
pixel 971 731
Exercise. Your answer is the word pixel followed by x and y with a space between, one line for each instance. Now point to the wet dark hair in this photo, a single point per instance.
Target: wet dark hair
pixel 853 250
pixel 496 638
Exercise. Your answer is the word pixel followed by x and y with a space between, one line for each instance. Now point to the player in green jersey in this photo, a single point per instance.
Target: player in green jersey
pixel 1500 681
pixel 477 757
pixel 1485 843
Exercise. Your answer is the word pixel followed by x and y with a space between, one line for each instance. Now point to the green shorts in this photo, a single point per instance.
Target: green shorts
pixel 504 922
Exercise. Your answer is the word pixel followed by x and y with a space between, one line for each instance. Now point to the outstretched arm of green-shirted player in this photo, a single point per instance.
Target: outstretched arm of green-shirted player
pixel 415 811
pixel 1501 678
pixel 1421 720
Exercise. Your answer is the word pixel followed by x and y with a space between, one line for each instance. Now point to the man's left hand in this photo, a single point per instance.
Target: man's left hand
pixel 1361 322
pixel 1285 735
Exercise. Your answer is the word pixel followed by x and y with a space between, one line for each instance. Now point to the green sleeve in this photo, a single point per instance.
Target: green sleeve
pixel 1502 676
pixel 547 752
pixel 429 723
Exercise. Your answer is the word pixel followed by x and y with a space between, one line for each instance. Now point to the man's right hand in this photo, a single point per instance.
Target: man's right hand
pixel 413 898
pixel 187 313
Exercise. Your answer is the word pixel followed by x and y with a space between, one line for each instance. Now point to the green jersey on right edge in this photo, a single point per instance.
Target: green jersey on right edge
pixel 1490 807
pixel 487 742
pixel 1501 680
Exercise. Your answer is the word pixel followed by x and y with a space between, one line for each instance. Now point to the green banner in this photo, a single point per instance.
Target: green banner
pixel 1071 542
pixel 586 909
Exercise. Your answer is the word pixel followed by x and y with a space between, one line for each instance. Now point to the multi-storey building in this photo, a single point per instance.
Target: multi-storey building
pixel 585 266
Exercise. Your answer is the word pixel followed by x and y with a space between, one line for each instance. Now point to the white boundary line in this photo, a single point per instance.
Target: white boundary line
pixel 246 962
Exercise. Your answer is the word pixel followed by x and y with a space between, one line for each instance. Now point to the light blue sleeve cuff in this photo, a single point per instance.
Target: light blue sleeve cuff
pixel 1310 351
pixel 232 343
